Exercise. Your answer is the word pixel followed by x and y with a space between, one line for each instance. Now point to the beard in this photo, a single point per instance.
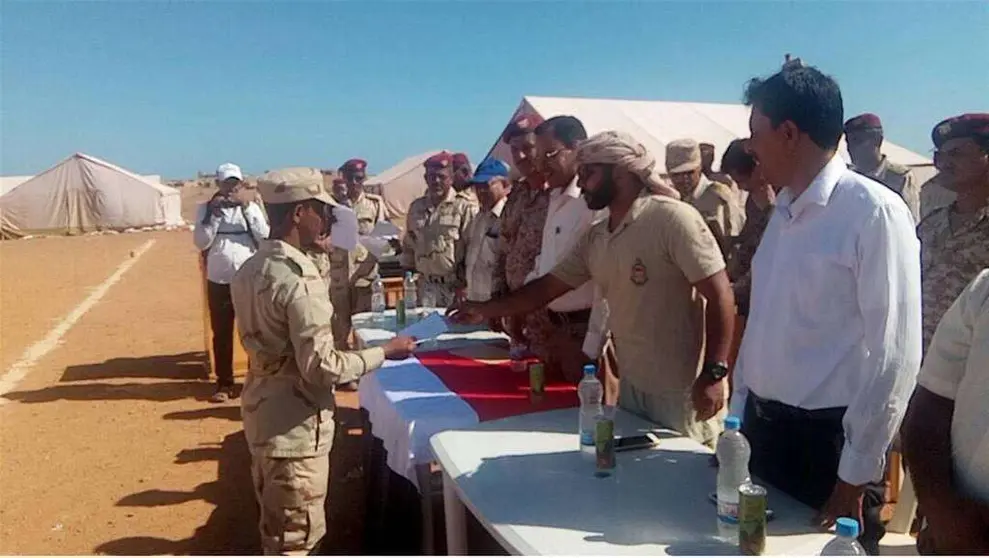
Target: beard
pixel 603 196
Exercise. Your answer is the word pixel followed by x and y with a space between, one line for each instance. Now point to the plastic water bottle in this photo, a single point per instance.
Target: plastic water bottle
pixel 733 471
pixel 591 393
pixel 410 298
pixel 845 542
pixel 378 300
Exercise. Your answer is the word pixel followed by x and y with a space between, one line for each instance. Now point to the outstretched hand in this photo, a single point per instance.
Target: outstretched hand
pixel 466 313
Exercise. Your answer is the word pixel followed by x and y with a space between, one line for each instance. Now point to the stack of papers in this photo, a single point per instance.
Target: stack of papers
pixel 430 327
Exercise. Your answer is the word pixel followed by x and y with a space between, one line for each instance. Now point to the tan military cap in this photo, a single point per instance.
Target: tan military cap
pixel 293 184
pixel 682 155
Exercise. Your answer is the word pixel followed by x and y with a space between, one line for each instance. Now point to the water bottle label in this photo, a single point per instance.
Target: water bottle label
pixel 587 437
pixel 728 512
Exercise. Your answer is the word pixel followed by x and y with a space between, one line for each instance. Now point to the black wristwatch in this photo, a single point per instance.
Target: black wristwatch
pixel 715 370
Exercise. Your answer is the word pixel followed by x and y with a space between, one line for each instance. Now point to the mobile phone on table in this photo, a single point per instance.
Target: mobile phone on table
pixel 639 441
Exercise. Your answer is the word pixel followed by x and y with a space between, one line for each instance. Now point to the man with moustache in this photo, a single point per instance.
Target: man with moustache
pixel 651 258
pixel 435 240
pixel 462 174
pixel 954 240
pixel 831 348
pixel 492 187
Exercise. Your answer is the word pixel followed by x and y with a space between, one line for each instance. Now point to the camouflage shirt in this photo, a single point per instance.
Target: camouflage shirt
pixel 746 243
pixel 435 241
pixel 718 204
pixel 954 248
pixel 899 179
pixel 522 223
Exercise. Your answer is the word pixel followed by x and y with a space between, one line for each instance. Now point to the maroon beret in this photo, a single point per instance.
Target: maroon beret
pixel 354 165
pixel 522 124
pixel 972 125
pixel 460 159
pixel 863 122
pixel 441 160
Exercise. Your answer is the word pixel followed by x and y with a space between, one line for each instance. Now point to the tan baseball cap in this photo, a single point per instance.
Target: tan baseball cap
pixel 293 184
pixel 683 155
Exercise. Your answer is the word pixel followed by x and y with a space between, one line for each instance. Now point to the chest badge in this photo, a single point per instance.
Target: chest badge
pixel 639 274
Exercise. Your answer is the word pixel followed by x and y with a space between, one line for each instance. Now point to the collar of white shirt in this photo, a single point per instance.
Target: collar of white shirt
pixel 572 190
pixel 818 193
pixel 499 207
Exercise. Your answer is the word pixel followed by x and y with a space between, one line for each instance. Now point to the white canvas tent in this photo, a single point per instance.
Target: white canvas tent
pixel 401 184
pixel 655 123
pixel 84 194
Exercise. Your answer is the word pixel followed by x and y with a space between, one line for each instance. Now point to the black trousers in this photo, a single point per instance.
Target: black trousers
pixel 797 451
pixel 221 319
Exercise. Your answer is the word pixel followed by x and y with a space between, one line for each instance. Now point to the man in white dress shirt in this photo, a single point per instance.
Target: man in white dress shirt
pixel 577 334
pixel 833 342
pixel 229 228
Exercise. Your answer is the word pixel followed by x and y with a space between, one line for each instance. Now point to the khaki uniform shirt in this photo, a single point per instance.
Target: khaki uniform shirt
pixel 718 204
pixel 482 252
pixel 362 266
pixel 899 179
pixel 469 196
pixel 435 237
pixel 645 269
pixel 954 248
pixel 283 314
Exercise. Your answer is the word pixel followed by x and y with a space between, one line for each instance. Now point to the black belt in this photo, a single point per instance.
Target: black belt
pixel 440 280
pixel 575 317
pixel 774 410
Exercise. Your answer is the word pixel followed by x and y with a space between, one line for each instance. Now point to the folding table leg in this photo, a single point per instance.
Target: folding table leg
pixel 423 477
pixel 456 519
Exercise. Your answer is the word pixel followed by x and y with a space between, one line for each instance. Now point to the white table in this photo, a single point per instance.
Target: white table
pixel 407 404
pixel 526 482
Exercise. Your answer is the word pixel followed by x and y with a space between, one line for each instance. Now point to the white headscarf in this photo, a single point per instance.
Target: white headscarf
pixel 621 149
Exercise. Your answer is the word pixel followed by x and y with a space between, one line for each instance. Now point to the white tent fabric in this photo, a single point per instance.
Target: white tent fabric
pixel 84 194
pixel 8 183
pixel 656 123
pixel 401 184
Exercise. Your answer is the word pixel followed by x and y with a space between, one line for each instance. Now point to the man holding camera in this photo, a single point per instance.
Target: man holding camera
pixel 229 228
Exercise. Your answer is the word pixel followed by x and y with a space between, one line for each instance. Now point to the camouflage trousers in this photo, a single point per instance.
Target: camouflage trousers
pixel 672 409
pixel 560 347
pixel 441 295
pixel 291 493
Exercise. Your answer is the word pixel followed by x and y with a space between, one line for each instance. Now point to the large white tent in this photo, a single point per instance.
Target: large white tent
pixel 655 123
pixel 401 184
pixel 84 194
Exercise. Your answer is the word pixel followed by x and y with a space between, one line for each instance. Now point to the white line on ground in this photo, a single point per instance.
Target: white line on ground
pixel 36 352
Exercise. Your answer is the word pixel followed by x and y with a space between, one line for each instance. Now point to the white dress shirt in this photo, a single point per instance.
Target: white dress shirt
pixel 567 219
pixel 835 312
pixel 482 244
pixel 231 238
pixel 957 368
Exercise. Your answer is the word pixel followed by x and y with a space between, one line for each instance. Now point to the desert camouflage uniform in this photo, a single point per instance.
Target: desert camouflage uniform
pixel 899 179
pixel 718 204
pixel 435 245
pixel 522 222
pixel 469 196
pixel 934 196
pixel 954 248
pixel 354 271
pixel 283 315
pixel 740 260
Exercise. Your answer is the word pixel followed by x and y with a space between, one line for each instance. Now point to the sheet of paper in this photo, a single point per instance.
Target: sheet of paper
pixel 385 229
pixel 430 327
pixel 375 245
pixel 343 233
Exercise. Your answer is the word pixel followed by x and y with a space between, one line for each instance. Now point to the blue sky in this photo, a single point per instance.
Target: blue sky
pixel 176 87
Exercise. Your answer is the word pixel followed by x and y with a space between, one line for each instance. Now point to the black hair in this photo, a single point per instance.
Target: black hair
pixel 737 159
pixel 568 130
pixel 804 96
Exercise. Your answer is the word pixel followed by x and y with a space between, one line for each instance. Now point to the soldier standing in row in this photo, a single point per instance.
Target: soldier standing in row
pixel 283 315
pixel 717 202
pixel 954 240
pixel 864 136
pixel 435 239
pixel 462 175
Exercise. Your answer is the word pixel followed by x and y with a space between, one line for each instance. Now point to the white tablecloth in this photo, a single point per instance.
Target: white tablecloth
pixel 405 402
pixel 526 482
